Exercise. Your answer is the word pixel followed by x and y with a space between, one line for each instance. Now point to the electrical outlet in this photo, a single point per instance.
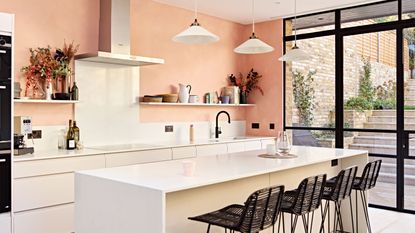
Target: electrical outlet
pixel 168 128
pixel 271 126
pixel 334 162
pixel 36 134
pixel 255 125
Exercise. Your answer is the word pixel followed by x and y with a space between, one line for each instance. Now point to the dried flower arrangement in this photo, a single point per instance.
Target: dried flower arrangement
pixel 45 66
pixel 247 84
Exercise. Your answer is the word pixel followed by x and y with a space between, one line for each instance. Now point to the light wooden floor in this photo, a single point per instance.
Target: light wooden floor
pixel 384 221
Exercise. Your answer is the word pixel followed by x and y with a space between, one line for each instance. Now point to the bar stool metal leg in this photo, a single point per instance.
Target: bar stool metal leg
pixel 351 213
pixel 339 219
pixel 357 213
pixel 323 216
pixel 366 210
pixel 293 224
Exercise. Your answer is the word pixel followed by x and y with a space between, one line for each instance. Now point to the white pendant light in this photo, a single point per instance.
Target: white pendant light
pixel 295 54
pixel 195 34
pixel 253 45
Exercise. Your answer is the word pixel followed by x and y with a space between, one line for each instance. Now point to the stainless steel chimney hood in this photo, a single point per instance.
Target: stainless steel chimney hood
pixel 114 37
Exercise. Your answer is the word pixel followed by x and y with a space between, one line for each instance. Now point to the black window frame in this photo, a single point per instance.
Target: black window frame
pixel 402 148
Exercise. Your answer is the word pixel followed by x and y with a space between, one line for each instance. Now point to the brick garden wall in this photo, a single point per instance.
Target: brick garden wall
pixel 379 47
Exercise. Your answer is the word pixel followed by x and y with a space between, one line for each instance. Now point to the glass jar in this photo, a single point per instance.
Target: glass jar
pixel 283 143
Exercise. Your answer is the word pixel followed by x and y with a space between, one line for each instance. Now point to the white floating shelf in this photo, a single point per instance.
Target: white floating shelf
pixel 197 104
pixel 45 101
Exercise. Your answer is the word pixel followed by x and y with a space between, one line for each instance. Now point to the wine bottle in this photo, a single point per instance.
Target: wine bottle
pixel 75 92
pixel 70 137
pixel 76 133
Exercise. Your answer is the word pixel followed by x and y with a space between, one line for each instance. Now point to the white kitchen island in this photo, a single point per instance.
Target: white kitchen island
pixel 158 198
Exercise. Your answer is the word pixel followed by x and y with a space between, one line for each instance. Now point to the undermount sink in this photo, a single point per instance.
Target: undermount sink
pixel 228 139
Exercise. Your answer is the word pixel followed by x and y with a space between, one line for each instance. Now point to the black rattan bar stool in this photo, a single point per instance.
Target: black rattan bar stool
pixel 337 189
pixel 259 212
pixel 303 201
pixel 365 182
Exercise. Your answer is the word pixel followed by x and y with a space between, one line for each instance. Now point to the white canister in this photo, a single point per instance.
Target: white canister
pixel 193 99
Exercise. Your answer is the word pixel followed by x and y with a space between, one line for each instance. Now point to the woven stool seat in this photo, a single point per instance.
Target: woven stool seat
pixel 259 212
pixel 228 217
pixel 337 189
pixel 363 183
pixel 303 201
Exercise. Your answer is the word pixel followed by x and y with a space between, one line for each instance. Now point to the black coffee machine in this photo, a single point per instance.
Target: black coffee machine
pixel 22 127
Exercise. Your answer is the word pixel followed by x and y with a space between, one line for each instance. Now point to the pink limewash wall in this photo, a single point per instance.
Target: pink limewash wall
pixel 205 67
pixel 50 22
pixel 268 107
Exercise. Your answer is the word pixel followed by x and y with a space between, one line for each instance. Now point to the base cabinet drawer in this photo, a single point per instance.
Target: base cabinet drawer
pixel 184 152
pixel 253 145
pixel 137 157
pixel 60 165
pixel 56 219
pixel 235 147
pixel 215 149
pixel 42 191
pixel 5 223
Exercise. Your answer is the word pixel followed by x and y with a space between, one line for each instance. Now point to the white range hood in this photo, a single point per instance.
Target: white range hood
pixel 114 37
pixel 119 59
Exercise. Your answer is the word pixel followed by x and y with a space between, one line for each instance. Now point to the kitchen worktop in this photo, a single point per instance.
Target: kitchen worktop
pixel 159 198
pixel 119 148
pixel 168 176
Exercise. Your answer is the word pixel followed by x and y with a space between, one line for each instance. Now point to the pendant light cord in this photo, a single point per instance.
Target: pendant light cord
pixel 195 9
pixel 253 18
pixel 295 23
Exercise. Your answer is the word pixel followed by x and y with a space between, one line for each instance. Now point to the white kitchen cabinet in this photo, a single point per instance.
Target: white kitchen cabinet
pixel 60 165
pixel 184 152
pixel 253 145
pixel 236 147
pixel 42 191
pixel 5 223
pixel 265 142
pixel 56 219
pixel 136 157
pixel 214 149
pixel 6 22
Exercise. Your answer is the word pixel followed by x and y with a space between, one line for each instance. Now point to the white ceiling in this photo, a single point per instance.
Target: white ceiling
pixel 265 10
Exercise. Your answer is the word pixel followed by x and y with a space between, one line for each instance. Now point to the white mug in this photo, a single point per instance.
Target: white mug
pixel 193 99
pixel 189 167
pixel 271 150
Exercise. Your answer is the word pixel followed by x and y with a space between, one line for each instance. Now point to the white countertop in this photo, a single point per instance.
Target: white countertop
pixel 55 153
pixel 168 176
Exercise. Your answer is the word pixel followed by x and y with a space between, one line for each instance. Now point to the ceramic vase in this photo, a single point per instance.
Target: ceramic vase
pixel 49 91
pixel 243 98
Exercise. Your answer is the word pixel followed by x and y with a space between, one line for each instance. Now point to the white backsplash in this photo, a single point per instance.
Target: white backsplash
pixel 108 112
pixel 149 133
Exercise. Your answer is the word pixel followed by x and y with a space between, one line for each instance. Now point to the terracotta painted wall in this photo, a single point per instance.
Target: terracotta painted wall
pixel 50 22
pixel 269 106
pixel 205 67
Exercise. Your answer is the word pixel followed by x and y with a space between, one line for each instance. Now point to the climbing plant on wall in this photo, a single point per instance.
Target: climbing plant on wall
pixel 303 91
